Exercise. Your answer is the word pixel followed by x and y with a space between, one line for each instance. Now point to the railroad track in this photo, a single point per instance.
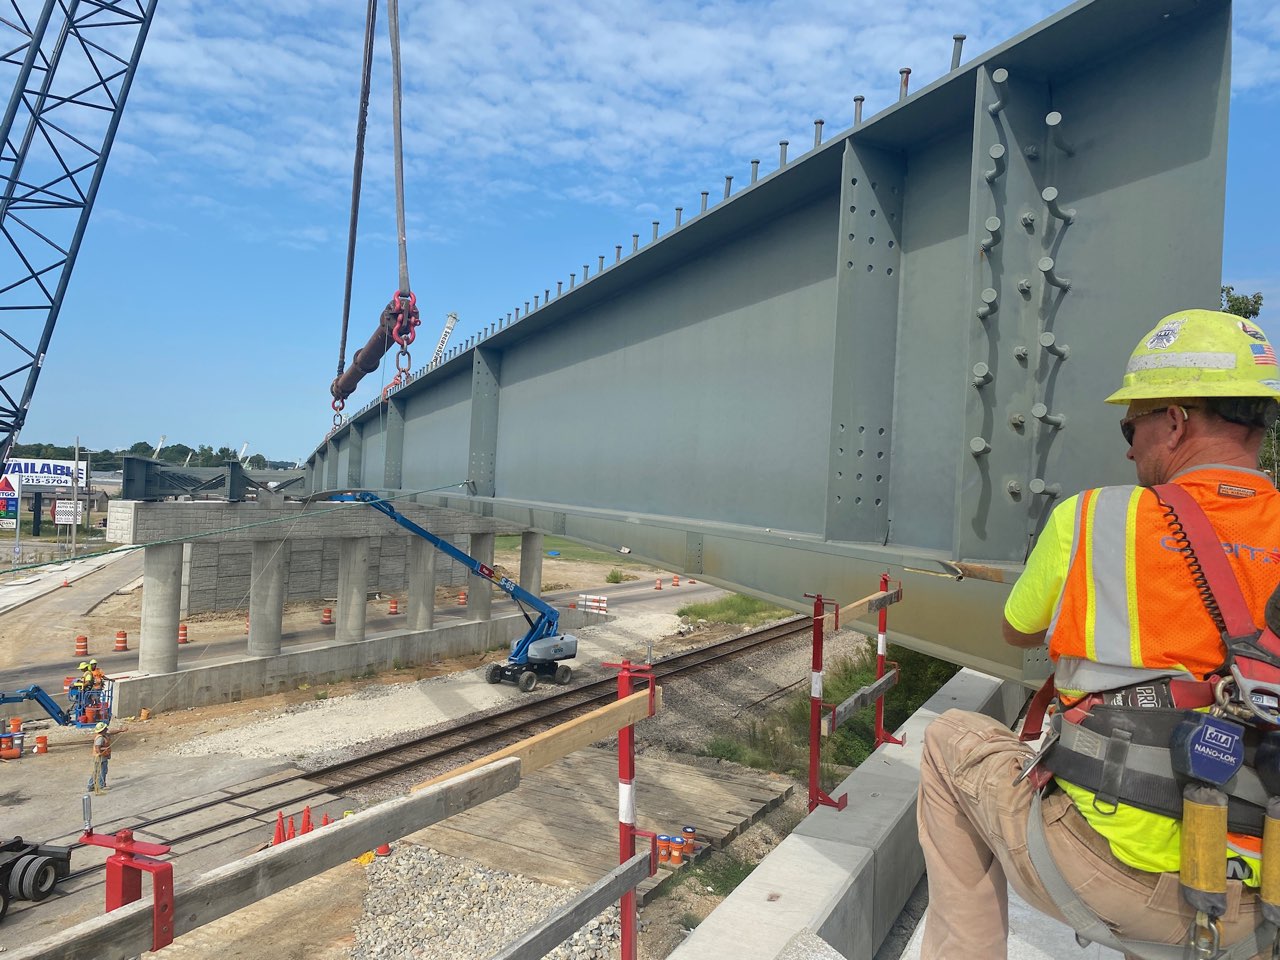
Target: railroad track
pixel 440 750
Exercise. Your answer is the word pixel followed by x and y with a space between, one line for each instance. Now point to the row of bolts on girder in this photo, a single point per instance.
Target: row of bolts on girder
pixel 546 296
pixel 979 446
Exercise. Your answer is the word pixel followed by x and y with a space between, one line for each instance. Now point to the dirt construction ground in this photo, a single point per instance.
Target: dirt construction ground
pixel 317 919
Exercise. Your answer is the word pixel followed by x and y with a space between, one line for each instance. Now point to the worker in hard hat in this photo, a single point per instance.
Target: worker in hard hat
pixel 101 755
pixel 85 678
pixel 98 676
pixel 1088 829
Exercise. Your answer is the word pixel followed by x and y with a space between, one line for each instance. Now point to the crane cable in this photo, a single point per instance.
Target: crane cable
pixel 400 317
pixel 393 25
pixel 362 122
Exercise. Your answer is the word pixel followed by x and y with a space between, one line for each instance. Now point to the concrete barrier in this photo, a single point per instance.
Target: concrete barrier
pixel 846 875
pixel 251 677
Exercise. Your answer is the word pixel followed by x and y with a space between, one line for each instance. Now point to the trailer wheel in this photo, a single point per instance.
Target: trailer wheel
pixel 16 870
pixel 41 876
pixel 564 673
pixel 493 673
pixel 528 680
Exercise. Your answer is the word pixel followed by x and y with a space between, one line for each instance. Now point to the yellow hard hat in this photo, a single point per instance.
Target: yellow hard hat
pixel 83 666
pixel 1201 353
pixel 100 728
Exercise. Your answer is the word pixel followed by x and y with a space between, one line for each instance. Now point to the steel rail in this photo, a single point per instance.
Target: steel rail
pixel 512 723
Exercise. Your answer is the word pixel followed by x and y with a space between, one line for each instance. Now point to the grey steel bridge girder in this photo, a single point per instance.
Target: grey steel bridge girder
pixel 848 349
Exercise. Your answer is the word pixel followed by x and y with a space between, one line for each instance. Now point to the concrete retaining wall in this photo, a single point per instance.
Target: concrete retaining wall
pixel 846 875
pixel 261 676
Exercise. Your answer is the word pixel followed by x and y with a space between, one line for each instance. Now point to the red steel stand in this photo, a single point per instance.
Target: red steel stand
pixel 125 868
pixel 883 736
pixel 816 795
pixel 627 831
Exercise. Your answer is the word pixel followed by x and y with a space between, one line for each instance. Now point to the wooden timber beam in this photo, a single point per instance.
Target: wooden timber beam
pixel 549 746
pixel 127 932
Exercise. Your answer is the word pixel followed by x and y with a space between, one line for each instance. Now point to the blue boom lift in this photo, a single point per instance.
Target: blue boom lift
pixel 534 655
pixel 80 698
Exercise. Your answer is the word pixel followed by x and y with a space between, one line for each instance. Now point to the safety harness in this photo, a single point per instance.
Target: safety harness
pixel 1124 744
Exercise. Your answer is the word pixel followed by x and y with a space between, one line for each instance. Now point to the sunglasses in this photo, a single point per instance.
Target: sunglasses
pixel 1126 425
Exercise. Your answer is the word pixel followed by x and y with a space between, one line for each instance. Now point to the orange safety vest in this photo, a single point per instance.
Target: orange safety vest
pixel 1129 609
pixel 103 751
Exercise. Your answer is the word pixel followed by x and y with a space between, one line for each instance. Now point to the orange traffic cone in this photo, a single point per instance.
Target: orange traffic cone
pixel 675 580
pixel 657 584
pixel 394 608
pixel 122 642
pixel 82 646
pixel 279 837
pixel 325 821
pixel 182 633
pixel 66 582
pixel 462 598
pixel 384 850
pixel 289 833
pixel 306 820
pixel 326 616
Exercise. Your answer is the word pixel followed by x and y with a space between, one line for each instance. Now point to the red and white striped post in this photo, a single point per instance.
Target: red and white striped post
pixel 816 795
pixel 882 647
pixel 627 831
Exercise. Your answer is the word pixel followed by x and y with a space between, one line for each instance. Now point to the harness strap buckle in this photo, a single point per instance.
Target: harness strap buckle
pixel 1206 936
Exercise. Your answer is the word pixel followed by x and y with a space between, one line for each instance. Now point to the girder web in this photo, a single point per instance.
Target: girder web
pixel 70 64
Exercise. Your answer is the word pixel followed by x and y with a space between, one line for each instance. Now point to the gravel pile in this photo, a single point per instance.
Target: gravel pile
pixel 330 730
pixel 423 904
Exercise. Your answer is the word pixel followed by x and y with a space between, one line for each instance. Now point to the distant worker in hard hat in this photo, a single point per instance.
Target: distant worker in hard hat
pixel 85 679
pixel 98 676
pixel 1088 829
pixel 101 754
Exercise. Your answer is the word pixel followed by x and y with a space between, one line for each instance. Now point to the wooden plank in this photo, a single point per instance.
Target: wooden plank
pixel 569 918
pixel 860 700
pixel 551 745
pixel 546 864
pixel 127 932
pixel 870 604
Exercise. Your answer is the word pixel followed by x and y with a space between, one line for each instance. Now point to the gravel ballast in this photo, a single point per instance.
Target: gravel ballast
pixel 426 905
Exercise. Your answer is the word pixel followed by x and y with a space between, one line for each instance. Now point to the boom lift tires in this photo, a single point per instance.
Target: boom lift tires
pixel 564 673
pixel 493 673
pixel 528 680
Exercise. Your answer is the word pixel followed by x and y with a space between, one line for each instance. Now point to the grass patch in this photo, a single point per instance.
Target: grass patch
pixel 322 694
pixel 779 741
pixel 736 608
pixel 722 872
pixel 617 576
pixel 689 919
pixel 568 550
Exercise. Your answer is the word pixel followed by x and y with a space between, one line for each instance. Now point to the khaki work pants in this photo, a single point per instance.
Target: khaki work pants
pixel 973 828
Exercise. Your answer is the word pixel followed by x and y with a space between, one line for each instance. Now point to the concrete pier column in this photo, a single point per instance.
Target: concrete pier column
pixel 420 582
pixel 161 602
pixel 268 575
pixel 353 586
pixel 480 590
pixel 531 562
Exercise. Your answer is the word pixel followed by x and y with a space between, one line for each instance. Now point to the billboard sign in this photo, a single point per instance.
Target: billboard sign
pixel 44 473
pixel 62 512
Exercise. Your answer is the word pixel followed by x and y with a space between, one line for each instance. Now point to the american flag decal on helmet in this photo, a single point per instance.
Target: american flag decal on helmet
pixel 1263 354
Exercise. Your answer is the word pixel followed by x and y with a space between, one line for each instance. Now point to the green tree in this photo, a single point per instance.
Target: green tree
pixel 141 449
pixel 1241 304
pixel 223 455
pixel 257 462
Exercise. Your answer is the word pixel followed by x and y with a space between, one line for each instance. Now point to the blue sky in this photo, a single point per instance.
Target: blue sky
pixel 207 298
